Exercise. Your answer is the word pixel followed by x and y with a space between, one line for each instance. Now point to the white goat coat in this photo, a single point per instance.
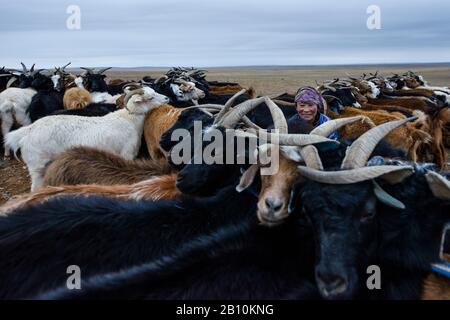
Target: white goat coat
pixel 14 103
pixel 119 132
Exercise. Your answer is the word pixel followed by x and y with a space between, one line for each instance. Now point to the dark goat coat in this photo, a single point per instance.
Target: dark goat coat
pixel 101 235
pixel 403 243
pixel 238 261
pixel 46 100
pixel 95 83
pixel 91 110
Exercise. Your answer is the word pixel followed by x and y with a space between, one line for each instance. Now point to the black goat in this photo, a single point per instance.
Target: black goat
pixel 46 100
pixel 354 232
pixel 240 260
pixel 91 110
pixel 358 224
pixel 60 233
pixel 95 82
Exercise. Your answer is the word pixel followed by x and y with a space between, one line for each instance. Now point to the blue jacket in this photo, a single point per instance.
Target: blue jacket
pixel 321 119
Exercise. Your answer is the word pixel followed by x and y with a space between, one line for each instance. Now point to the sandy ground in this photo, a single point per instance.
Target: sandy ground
pixel 14 177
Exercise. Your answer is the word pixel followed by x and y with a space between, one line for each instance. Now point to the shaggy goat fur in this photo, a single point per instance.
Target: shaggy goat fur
pixel 83 165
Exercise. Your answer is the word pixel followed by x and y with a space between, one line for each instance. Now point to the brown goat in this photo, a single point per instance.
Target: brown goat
pixel 76 98
pixel 408 137
pixel 227 89
pixel 84 165
pixel 162 187
pixel 158 121
pixel 437 125
pixel 412 103
pixel 113 82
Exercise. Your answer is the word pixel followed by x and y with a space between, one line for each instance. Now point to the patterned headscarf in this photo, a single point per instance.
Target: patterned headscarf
pixel 309 95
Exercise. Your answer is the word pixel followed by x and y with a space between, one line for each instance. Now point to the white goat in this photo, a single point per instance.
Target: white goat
pixel 13 104
pixel 119 132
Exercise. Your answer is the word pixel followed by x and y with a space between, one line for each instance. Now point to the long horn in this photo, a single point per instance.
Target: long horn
pixel 132 93
pixel 228 105
pixel 235 115
pixel 360 150
pixel 11 81
pixel 32 73
pixel 294 139
pixel 328 127
pixel 438 185
pixel 352 176
pixel 32 68
pixel 103 70
pixel 311 157
pixel 89 70
pixel 24 68
pixel 64 67
pixel 279 121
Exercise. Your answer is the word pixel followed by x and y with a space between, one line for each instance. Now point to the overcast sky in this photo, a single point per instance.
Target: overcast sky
pixel 131 33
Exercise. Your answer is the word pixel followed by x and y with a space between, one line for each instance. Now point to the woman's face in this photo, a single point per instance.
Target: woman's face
pixel 307 112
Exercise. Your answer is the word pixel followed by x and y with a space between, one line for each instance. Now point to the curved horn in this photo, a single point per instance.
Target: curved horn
pixel 294 139
pixel 360 150
pixel 132 93
pixel 311 157
pixel 64 67
pixel 279 121
pixel 24 68
pixel 103 70
pixel 238 112
pixel 439 185
pixel 88 70
pixel 32 73
pixel 328 127
pixel 228 105
pixel 352 176
pixel 133 85
pixel 11 81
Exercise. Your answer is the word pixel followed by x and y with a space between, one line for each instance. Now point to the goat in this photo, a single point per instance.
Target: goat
pixel 158 121
pixel 155 188
pixel 408 138
pixel 129 233
pixel 85 165
pixel 46 101
pixel 413 103
pixel 13 105
pixel 118 132
pixel 253 259
pixel 358 223
pixel 182 93
pixel 76 98
pixel 91 110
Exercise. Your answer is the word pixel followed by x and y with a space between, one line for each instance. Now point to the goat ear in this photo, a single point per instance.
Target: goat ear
pixel 386 198
pixel 439 185
pixel 292 153
pixel 397 176
pixel 248 177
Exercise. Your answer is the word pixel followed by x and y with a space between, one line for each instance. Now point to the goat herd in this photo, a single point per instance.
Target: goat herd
pixel 150 228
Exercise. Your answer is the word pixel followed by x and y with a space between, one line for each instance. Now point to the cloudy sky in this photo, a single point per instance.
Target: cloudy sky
pixel 207 33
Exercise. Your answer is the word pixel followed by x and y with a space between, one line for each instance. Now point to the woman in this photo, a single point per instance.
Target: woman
pixel 309 103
